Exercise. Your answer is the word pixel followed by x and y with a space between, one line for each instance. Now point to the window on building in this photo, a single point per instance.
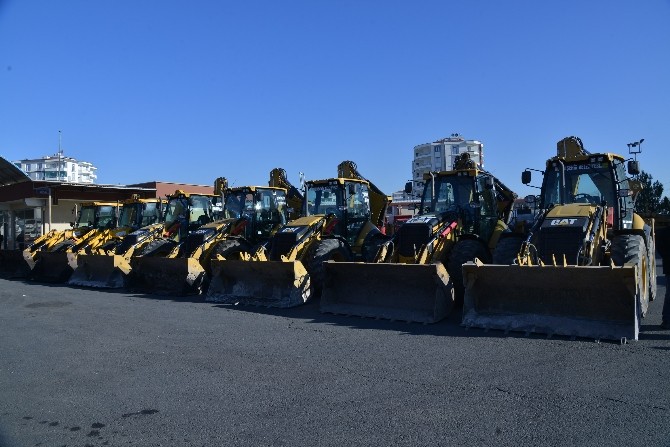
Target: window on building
pixel 454 150
pixel 438 148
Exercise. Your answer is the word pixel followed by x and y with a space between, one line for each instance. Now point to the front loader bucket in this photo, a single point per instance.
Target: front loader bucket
pixel 166 276
pixel 54 266
pixel 105 271
pixel 13 264
pixel 589 302
pixel 408 292
pixel 259 283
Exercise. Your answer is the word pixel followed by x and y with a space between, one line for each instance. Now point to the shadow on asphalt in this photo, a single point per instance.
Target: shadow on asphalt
pixel 449 327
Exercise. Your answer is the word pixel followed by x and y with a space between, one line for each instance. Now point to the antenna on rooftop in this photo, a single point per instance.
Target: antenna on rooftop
pixel 60 154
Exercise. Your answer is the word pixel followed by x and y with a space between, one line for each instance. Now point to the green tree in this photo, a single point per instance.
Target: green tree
pixel 650 199
pixel 665 206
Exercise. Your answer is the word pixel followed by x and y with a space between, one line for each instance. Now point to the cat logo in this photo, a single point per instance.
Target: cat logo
pixel 563 221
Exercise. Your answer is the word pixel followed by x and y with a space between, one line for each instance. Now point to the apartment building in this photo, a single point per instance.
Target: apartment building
pixel 440 155
pixel 59 168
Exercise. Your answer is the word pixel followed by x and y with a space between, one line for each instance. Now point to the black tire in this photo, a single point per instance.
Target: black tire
pixel 630 248
pixel 159 247
pixel 507 250
pixel 464 251
pixel 651 256
pixel 321 251
pixel 231 249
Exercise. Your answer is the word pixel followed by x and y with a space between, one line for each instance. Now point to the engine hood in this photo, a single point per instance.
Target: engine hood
pixel 571 210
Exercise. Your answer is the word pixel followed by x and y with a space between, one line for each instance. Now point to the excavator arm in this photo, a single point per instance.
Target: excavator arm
pixel 505 198
pixel 294 197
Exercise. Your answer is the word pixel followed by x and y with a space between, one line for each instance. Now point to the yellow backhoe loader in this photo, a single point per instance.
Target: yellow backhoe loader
pixel 251 215
pixel 342 220
pixel 416 276
pixel 165 265
pixel 107 263
pixel 53 257
pixel 585 267
pixel 19 263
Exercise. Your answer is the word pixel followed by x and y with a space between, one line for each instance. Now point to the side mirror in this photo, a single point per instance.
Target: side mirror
pixel 525 177
pixel 488 183
pixel 633 167
pixel 408 188
pixel 529 199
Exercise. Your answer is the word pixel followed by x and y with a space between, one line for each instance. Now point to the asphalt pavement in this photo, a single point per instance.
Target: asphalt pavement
pixel 83 367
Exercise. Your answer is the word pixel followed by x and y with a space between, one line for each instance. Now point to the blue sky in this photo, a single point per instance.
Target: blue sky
pixel 189 91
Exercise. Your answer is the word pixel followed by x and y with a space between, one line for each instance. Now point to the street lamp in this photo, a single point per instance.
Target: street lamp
pixel 635 147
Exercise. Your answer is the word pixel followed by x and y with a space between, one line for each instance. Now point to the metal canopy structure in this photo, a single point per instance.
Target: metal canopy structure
pixel 10 174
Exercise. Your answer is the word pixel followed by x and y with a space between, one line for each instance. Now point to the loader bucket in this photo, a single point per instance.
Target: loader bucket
pixel 421 293
pixel 105 271
pixel 259 283
pixel 54 266
pixel 166 276
pixel 589 302
pixel 13 264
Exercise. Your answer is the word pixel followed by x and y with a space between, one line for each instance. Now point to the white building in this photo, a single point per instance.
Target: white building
pixel 439 156
pixel 58 167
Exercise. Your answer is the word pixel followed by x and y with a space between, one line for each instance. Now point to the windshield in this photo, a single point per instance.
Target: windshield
pixel 100 217
pixel 237 203
pixel 324 199
pixel 265 209
pixel 358 200
pixel 265 204
pixel 105 217
pixel 358 209
pixel 200 210
pixel 129 213
pixel 176 208
pixel 584 183
pixel 451 193
pixel 349 204
pixel 86 217
pixel 270 205
pixel 150 214
pixel 139 214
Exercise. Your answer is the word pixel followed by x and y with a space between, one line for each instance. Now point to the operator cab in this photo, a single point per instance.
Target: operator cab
pixel 139 214
pixel 458 196
pixel 97 217
pixel 599 181
pixel 263 208
pixel 345 201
